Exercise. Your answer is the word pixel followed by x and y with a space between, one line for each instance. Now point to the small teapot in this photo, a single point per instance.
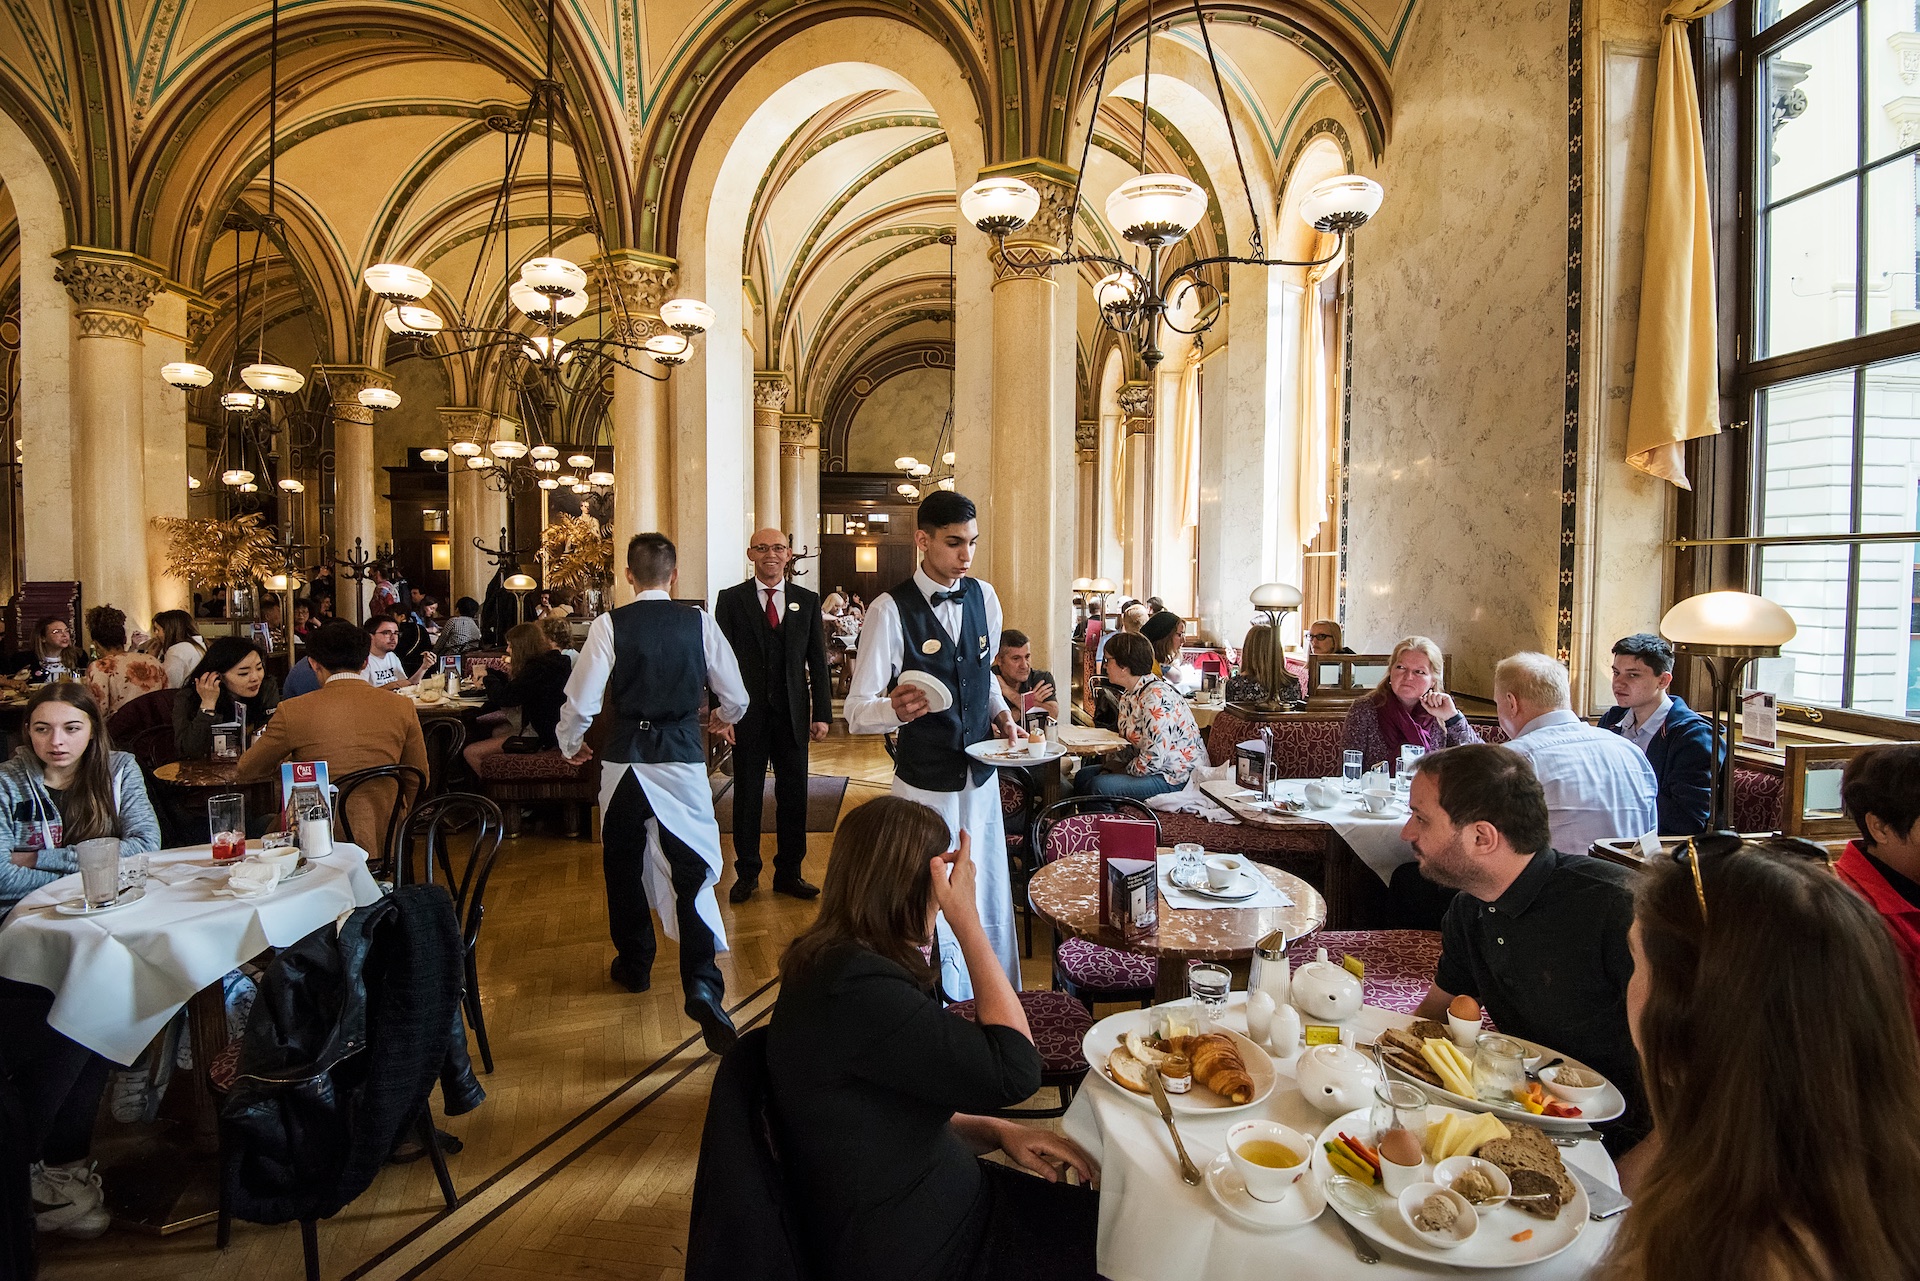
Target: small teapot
pixel 1336 1078
pixel 1324 991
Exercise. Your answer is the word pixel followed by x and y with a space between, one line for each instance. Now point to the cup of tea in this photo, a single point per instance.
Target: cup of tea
pixel 1376 802
pixel 1269 1157
pixel 99 863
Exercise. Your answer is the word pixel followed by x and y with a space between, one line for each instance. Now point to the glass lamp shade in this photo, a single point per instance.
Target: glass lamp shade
pixel 1104 586
pixel 534 305
pixel 1081 584
pixel 519 582
pixel 907 490
pixel 1273 596
pixel 1728 620
pixel 583 488
pixel 1341 203
pixel 1156 208
pixel 540 452
pixel 235 476
pixel 433 455
pixel 668 349
pixel 547 482
pixel 554 277
pixel 567 481
pixel 947 458
pixel 906 462
pixel 465 449
pixel 479 462
pixel 998 206
pixel 293 486
pixel 277 583
pixel 1116 292
pixel 545 466
pixel 580 461
pixel 193 482
pixel 273 380
pixel 922 469
pixel 186 375
pixel 946 483
pixel 247 488
pixel 542 347
pixel 687 316
pixel 397 283
pixel 507 448
pixel 379 399
pixel 601 478
pixel 413 322
pixel 240 402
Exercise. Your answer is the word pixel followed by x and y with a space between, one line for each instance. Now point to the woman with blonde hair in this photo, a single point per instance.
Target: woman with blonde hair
pixel 1409 708
pixel 1263 679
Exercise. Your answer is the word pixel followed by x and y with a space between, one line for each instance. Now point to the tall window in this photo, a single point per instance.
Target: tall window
pixel 1829 342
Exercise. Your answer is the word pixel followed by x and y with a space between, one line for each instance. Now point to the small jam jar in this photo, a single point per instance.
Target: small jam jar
pixel 1177 1075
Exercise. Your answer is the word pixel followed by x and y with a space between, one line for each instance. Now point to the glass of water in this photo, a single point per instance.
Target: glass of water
pixel 1209 986
pixel 1189 864
pixel 1350 770
pixel 1409 757
pixel 134 870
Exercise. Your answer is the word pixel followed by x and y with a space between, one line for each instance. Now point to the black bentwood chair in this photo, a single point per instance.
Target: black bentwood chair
pixel 438 832
pixel 409 786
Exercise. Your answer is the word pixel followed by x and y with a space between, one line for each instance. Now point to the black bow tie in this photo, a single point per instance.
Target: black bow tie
pixel 941 598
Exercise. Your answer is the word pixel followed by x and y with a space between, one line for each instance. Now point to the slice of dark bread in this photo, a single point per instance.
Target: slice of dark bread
pixel 1428 1030
pixel 1533 1165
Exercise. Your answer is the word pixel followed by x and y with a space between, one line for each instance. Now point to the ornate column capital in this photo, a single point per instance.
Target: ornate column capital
pixel 344 385
pixel 1136 402
pixel 1028 253
pixel 1086 439
pixel 771 388
pixel 111 290
pixel 467 422
pixel 636 283
pixel 798 433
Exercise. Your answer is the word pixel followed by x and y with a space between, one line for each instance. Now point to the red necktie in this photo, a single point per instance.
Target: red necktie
pixel 773 615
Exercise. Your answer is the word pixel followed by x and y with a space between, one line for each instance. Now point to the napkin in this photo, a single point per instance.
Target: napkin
pixel 181 873
pixel 251 878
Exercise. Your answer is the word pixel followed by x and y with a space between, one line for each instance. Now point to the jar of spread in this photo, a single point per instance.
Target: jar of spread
pixel 1177 1074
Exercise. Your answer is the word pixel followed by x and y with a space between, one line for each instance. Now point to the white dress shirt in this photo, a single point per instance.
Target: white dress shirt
pixel 779 591
pixel 587 687
pixel 1642 734
pixel 1598 784
pixel 868 709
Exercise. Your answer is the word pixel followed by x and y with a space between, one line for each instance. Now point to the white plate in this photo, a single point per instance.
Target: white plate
pixel 1492 1246
pixel 1104 1036
pixel 939 697
pixel 988 753
pixel 77 905
pixel 1248 885
pixel 1230 1192
pixel 1611 1105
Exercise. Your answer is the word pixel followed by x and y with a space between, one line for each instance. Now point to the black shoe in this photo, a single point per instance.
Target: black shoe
pixel 629 976
pixel 795 887
pixel 743 890
pixel 704 1007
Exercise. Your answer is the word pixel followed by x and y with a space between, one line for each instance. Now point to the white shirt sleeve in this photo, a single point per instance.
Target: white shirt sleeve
pixel 587 687
pixel 868 710
pixel 996 701
pixel 723 671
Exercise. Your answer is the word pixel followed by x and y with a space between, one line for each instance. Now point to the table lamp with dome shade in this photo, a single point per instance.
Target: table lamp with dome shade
pixel 1726 631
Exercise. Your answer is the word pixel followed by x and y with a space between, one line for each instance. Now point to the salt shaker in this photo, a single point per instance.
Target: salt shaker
pixel 1260 1010
pixel 1284 1033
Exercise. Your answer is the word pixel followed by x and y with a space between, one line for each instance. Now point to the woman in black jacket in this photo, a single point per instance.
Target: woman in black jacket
pixel 531 698
pixel 233 672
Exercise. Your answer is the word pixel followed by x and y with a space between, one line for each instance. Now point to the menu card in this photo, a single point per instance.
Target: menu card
pixel 1123 838
pixel 1132 886
pixel 303 784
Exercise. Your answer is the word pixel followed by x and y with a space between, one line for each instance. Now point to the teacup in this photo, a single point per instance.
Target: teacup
pixel 1376 802
pixel 1223 872
pixel 1260 1152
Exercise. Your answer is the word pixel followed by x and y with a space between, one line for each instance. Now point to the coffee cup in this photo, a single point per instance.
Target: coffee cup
pixel 1376 802
pixel 1222 872
pixel 1270 1158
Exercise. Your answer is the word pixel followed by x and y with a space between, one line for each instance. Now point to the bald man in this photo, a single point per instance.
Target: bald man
pixel 774 627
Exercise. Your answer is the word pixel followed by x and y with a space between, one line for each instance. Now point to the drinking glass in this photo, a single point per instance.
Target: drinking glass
pixel 1350 770
pixel 1209 985
pixel 99 863
pixel 1499 1067
pixel 1398 1106
pixel 1189 864
pixel 227 822
pixel 1409 757
pixel 134 870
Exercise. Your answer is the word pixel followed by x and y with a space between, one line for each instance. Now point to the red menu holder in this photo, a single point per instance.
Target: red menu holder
pixel 1124 838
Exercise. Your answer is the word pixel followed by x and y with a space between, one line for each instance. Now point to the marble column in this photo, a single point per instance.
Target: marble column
pixel 771 387
pixel 1136 431
pixel 641 411
pixel 164 415
pixel 1026 520
pixel 356 480
pixel 474 508
pixel 111 292
pixel 800 489
pixel 1086 521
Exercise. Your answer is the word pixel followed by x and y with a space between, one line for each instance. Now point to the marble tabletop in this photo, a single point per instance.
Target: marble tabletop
pixel 1067 894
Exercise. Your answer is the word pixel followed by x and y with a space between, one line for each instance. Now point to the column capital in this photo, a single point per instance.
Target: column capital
pixel 1086 438
pixel 344 385
pixel 771 388
pixel 798 433
pixel 467 422
pixel 1136 402
pixel 637 282
pixel 1029 252
pixel 109 279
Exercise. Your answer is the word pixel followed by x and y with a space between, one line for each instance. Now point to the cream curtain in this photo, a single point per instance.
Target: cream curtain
pixel 1676 357
pixel 1313 387
pixel 1186 443
pixel 1121 449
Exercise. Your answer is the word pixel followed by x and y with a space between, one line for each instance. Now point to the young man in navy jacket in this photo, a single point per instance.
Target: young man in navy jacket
pixel 1678 741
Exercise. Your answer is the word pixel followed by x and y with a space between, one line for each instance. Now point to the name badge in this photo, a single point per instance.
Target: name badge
pixel 983 647
pixel 793 606
pixel 930 647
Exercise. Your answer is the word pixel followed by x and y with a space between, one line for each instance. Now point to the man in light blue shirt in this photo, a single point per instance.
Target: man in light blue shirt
pixel 1598 784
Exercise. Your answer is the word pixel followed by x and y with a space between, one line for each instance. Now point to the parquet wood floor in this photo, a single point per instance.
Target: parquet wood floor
pixel 580 1164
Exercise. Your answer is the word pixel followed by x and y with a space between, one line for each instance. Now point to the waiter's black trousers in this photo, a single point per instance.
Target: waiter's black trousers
pixel 623 830
pixel 772 743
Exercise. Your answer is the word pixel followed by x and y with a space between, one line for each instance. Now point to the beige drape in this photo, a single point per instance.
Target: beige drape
pixel 1676 358
pixel 1313 387
pixel 1186 444
pixel 1121 449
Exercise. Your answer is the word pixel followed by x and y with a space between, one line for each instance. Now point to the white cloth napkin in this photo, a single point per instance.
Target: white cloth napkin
pixel 251 878
pixel 1268 895
pixel 1374 837
pixel 181 873
pixel 1191 800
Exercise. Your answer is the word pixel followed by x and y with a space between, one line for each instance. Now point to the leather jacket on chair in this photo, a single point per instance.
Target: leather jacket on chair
pixel 346 1039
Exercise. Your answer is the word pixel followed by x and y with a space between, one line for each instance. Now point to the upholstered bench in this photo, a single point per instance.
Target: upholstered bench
pixel 1400 964
pixel 1059 1024
pixel 511 780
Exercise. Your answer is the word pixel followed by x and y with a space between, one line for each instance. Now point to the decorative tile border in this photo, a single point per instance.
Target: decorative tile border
pixel 1576 236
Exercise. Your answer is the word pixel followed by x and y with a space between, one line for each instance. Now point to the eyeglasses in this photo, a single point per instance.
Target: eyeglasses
pixel 1721 843
pixel 1326 636
pixel 762 549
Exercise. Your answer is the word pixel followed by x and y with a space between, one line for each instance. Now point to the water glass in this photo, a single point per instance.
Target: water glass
pixel 134 870
pixel 99 863
pixel 1189 864
pixel 1209 986
pixel 1409 757
pixel 1499 1068
pixel 1398 1106
pixel 1350 763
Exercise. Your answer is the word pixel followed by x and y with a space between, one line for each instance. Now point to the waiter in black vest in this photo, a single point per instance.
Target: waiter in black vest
pixel 652 662
pixel 775 630
pixel 945 625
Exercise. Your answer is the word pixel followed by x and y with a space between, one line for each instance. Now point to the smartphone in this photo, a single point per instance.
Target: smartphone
pixel 1603 1202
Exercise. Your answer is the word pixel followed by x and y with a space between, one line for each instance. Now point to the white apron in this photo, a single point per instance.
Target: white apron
pixel 683 800
pixel 976 811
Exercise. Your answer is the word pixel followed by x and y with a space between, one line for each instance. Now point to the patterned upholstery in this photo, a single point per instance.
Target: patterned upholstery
pixel 1488 730
pixel 1400 963
pixel 1074 834
pixel 1305 748
pixel 1756 799
pixel 1013 797
pixel 1104 973
pixel 1240 838
pixel 548 766
pixel 1059 1025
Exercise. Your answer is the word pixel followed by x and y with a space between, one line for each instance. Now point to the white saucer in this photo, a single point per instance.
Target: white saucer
pixel 1295 1211
pixel 77 905
pixel 939 697
pixel 1248 887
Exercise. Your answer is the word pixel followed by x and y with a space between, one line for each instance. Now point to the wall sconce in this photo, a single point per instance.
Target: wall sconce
pixel 866 559
pixel 442 556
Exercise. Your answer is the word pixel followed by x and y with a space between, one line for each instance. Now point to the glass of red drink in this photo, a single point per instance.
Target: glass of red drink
pixel 227 822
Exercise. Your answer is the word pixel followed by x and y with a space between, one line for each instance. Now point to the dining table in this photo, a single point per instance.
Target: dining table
pixel 1066 894
pixel 1155 1227
pixel 1358 842
pixel 119 976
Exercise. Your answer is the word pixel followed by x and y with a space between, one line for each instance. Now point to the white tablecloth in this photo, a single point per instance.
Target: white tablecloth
pixel 1153 1227
pixel 118 977
pixel 1374 837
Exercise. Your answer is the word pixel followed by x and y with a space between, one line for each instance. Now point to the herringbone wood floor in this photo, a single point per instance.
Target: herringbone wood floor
pixel 580 1164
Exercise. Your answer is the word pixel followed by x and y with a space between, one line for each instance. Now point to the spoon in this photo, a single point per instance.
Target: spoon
pixel 1533 1073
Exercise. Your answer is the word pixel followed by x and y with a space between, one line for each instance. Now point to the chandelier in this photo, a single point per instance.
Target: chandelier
pixel 1155 212
pixel 547 295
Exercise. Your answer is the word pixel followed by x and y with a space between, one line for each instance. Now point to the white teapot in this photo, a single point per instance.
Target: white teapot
pixel 1336 1078
pixel 1325 992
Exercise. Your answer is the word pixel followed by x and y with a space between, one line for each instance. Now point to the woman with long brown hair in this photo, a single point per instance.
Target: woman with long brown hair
pixel 177 643
pixel 1783 1072
pixel 875 1086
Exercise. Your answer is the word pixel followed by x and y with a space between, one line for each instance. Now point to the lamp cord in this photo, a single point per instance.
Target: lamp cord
pixel 1233 136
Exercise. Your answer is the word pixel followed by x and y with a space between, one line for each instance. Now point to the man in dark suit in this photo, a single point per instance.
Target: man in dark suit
pixel 1678 741
pixel 775 630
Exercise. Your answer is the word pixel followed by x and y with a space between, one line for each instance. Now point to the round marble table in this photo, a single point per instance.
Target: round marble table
pixel 1066 893
pixel 206 773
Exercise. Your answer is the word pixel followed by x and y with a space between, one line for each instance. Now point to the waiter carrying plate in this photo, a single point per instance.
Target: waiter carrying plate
pixel 925 669
pixel 652 661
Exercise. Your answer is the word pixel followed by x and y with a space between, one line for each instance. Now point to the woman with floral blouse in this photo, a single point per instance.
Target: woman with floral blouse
pixel 1163 743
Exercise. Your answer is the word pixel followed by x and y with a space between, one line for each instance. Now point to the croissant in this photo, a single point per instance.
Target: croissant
pixel 1217 1065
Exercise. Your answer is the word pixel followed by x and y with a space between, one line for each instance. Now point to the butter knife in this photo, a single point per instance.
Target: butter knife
pixel 1188 1170
pixel 1362 1248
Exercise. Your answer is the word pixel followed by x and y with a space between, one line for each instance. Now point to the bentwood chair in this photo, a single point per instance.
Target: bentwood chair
pixel 452 841
pixel 445 736
pixel 409 786
pixel 1091 972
